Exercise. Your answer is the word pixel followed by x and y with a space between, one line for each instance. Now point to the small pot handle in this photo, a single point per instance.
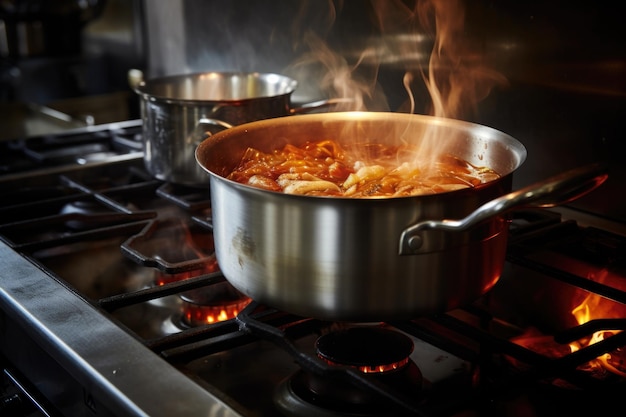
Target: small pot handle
pixel 314 105
pixel 208 127
pixel 135 77
pixel 560 189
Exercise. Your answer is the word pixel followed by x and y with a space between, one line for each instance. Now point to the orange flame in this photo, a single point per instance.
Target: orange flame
pixel 594 306
pixel 196 315
pixel 374 369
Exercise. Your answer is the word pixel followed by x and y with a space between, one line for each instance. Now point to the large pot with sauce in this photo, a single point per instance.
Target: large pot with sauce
pixel 364 259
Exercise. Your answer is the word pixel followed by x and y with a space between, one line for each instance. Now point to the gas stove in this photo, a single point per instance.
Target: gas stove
pixel 112 303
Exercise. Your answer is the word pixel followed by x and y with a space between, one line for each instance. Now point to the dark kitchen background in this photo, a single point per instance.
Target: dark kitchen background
pixel 564 62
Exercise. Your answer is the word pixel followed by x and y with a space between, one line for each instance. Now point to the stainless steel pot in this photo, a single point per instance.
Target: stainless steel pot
pixel 179 111
pixel 370 259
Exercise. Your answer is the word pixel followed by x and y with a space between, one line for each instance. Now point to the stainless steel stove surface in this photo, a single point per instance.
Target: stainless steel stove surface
pixel 112 303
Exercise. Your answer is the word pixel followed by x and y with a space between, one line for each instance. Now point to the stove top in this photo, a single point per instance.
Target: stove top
pixel 72 147
pixel 112 303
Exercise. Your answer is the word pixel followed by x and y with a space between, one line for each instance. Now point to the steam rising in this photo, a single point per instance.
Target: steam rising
pixel 457 79
pixel 336 75
pixel 427 38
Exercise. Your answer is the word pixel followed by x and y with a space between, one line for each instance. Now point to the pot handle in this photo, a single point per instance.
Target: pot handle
pixel 560 189
pixel 314 105
pixel 208 127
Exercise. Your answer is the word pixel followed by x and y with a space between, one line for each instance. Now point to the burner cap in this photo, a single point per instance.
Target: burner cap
pixel 364 347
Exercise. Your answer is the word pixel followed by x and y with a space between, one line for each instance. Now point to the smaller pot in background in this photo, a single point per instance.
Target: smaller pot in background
pixel 180 111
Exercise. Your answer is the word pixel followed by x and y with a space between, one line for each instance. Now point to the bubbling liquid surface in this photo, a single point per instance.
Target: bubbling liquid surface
pixel 376 170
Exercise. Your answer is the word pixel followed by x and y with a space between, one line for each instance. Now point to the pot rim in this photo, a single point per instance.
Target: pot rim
pixel 509 141
pixel 146 88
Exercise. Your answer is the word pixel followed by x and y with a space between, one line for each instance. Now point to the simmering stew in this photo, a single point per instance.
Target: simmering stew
pixel 369 170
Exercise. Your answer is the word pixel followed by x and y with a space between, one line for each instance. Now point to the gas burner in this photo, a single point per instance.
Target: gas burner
pixel 368 349
pixel 380 354
pixel 211 304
